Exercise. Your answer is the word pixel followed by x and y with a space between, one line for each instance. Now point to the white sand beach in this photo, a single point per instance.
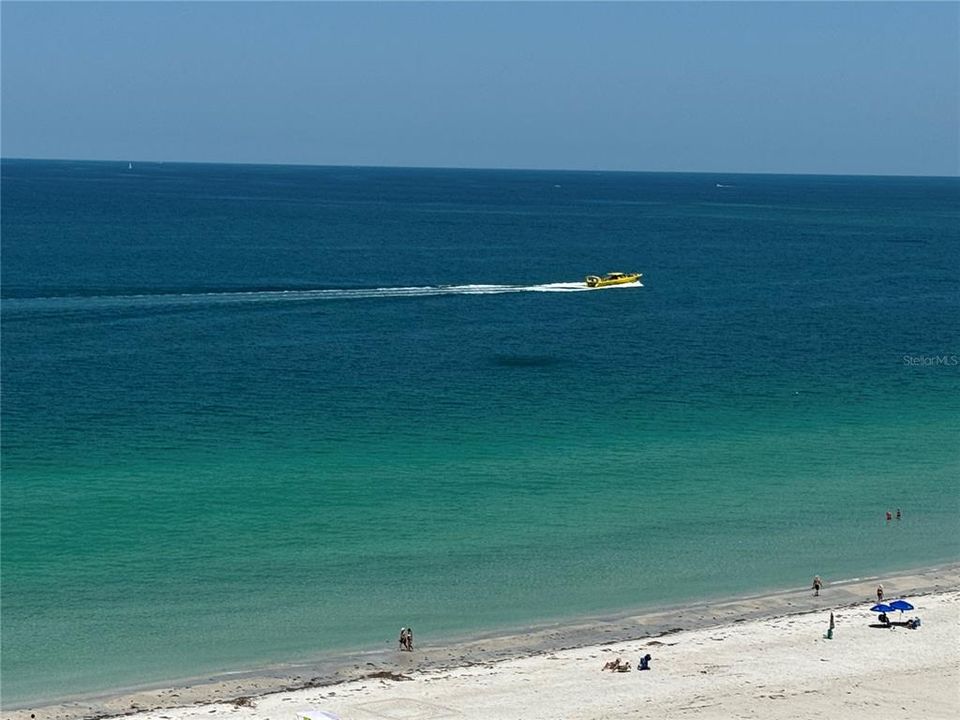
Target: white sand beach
pixel 775 664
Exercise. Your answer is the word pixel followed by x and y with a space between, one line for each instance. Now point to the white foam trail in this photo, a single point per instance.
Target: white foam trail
pixel 59 304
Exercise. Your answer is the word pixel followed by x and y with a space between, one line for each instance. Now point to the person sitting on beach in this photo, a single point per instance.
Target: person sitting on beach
pixel 884 620
pixel 913 623
pixel 612 665
pixel 645 662
pixel 624 667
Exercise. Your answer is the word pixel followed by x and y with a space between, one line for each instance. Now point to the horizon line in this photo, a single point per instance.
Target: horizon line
pixel 474 168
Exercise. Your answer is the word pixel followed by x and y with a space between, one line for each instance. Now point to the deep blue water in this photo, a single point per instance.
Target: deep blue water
pixel 253 413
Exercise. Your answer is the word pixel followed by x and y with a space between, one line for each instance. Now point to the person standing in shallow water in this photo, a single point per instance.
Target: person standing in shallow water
pixel 817 584
pixel 879 593
pixel 403 638
pixel 410 639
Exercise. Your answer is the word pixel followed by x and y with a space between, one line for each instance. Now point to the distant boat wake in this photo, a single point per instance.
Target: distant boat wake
pixel 174 300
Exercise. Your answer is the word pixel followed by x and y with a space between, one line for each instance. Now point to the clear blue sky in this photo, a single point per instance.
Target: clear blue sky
pixel 860 88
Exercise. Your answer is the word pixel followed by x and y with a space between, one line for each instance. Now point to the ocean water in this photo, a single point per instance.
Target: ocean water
pixel 253 414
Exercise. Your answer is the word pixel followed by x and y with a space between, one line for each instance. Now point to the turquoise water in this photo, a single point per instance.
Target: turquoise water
pixel 253 414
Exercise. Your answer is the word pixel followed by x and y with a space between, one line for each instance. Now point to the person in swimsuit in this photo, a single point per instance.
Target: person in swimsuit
pixel 817 584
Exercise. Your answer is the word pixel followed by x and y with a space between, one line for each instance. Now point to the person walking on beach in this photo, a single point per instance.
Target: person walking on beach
pixel 879 593
pixel 817 584
pixel 403 638
pixel 409 639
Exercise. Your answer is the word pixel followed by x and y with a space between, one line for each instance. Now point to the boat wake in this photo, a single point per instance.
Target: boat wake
pixel 175 300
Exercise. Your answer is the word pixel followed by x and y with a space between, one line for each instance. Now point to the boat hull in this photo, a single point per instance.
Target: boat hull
pixel 595 281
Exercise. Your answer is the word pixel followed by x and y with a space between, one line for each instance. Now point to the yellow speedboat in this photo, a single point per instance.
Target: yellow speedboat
pixel 613 278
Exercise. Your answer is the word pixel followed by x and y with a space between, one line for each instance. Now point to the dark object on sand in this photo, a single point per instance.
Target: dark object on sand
pixel 645 662
pixel 388 675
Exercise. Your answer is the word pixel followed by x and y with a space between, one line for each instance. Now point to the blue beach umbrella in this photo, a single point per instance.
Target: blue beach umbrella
pixel 881 608
pixel 901 605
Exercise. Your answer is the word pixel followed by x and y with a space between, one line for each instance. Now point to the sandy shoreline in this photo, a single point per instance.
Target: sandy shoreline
pixel 762 656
